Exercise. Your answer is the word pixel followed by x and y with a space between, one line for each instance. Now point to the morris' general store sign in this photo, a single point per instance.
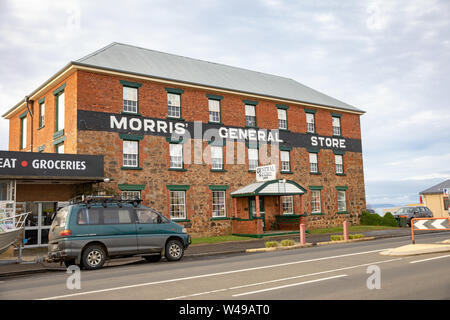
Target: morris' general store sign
pixel 49 164
pixel 135 124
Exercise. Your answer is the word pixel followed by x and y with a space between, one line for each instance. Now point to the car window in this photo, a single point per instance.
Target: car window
pixel 147 216
pixel 410 210
pixel 116 216
pixel 61 217
pixel 401 210
pixel 422 209
pixel 88 216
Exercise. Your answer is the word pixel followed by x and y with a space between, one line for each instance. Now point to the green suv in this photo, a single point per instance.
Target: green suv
pixel 88 233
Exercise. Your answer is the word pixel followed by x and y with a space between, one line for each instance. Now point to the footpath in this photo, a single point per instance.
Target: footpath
pixel 34 262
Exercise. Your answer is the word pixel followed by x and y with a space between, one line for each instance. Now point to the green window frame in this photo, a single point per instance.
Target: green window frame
pixel 126 103
pixel 310 126
pixel 172 112
pixel 23 130
pixel 283 124
pixel 41 113
pixel 60 97
pixel 176 190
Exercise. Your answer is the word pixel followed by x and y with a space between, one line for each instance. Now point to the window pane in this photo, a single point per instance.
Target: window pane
pixel 130 195
pixel 130 153
pixel 176 155
pixel 342 203
pixel 60 148
pixel 315 201
pixel 218 204
pixel 88 216
pixel 250 110
pixel 177 205
pixel 147 216
pixel 214 105
pixel 281 114
pixel 310 122
pixel 130 98
pixel 173 99
pixel 61 111
pixel 216 157
pixel 287 204
pixel 24 133
pixel 42 115
pixel 252 159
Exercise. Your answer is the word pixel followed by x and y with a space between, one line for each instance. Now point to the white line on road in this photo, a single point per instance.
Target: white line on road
pixel 211 274
pixel 288 285
pixel 284 279
pixel 423 260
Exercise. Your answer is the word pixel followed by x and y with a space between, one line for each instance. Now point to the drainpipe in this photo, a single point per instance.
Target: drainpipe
pixel 27 101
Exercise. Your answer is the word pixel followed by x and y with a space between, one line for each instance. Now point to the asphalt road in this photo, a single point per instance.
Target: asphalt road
pixel 340 271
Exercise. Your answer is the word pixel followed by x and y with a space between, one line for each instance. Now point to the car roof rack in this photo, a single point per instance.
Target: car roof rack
pixel 104 200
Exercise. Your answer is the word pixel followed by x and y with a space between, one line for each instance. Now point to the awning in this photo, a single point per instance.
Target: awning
pixel 270 188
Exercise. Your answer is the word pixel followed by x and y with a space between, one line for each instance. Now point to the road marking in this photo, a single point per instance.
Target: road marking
pixel 283 279
pixel 423 260
pixel 288 285
pixel 211 275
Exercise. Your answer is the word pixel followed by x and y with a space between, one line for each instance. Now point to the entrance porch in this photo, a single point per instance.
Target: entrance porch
pixel 268 208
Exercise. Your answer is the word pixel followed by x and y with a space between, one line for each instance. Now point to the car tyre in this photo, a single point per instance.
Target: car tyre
pixel 174 250
pixel 153 258
pixel 94 257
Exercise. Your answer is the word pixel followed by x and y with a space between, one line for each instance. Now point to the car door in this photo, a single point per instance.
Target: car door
pixel 118 231
pixel 151 229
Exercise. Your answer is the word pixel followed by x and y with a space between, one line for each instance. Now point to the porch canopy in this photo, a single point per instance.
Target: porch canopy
pixel 270 188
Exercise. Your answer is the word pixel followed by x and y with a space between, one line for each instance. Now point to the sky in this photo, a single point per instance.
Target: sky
pixel 388 58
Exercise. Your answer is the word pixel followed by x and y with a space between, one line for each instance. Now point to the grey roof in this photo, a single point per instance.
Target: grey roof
pixel 140 61
pixel 272 187
pixel 437 188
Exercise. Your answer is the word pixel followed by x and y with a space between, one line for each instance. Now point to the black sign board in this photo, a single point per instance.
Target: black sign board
pixel 33 164
pixel 138 125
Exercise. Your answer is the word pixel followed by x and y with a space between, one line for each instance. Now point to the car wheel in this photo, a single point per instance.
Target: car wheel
pixel 153 258
pixel 93 257
pixel 174 250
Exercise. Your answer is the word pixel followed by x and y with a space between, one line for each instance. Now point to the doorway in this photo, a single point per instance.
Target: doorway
pixel 252 209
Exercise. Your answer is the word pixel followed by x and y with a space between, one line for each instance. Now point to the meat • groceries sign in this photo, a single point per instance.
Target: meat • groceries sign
pixel 32 164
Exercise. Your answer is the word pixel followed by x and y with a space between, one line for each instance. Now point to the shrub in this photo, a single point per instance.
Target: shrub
pixel 287 243
pixel 371 219
pixel 350 237
pixel 389 220
pixel 271 244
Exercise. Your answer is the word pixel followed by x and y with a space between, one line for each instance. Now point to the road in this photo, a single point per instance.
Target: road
pixel 339 271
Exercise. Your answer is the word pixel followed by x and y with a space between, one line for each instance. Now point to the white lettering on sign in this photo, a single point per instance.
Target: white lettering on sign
pixel 58 164
pixel 148 125
pixel 8 163
pixel 317 141
pixel 250 134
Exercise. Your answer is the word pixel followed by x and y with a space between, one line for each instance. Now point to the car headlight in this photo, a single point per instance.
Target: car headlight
pixel 183 230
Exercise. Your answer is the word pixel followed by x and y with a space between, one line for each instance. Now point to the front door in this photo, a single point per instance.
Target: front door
pixel 252 208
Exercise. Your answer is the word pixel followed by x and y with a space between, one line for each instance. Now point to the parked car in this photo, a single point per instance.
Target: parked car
pixel 413 212
pixel 89 233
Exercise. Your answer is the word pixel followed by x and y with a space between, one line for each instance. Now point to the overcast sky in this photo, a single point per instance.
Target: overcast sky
pixel 389 58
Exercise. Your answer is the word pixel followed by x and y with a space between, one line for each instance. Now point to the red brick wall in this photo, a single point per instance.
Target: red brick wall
pixel 44 135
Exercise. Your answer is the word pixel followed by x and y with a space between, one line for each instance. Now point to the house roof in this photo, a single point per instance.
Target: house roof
pixel 269 188
pixel 119 57
pixel 437 188
pixel 141 61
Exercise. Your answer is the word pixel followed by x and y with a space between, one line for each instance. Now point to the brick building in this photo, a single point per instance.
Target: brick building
pixel 186 136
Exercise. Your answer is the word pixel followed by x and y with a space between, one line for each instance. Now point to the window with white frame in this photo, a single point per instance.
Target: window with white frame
pixel 336 123
pixel 338 159
pixel 282 119
pixel 130 99
pixel 313 162
pixel 60 110
pixel 216 158
pixel 315 201
pixel 218 204
pixel 176 155
pixel 285 161
pixel 287 203
pixel 342 201
pixel 174 102
pixel 130 153
pixel 250 115
pixel 214 110
pixel 310 126
pixel 252 159
pixel 177 204
pixel 59 148
pixel 23 132
pixel 130 195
